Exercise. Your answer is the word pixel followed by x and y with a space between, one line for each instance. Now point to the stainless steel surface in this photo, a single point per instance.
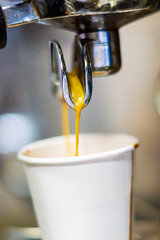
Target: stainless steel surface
pixel 87 16
pixel 104 51
pixel 19 12
pixel 81 16
pixel 59 75
pixel 58 69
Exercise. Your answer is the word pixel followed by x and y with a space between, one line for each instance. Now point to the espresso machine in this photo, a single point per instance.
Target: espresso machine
pixel 94 26
pixel 96 23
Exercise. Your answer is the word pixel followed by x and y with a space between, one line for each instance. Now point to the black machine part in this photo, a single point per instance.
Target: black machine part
pixel 3 32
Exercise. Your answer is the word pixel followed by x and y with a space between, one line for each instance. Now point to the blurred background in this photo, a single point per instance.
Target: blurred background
pixel 127 102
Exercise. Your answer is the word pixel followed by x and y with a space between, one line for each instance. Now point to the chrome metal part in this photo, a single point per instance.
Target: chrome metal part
pixel 19 12
pixel 84 70
pixel 58 69
pixel 78 15
pixel 104 51
pixel 93 15
pixel 3 34
pixel 59 77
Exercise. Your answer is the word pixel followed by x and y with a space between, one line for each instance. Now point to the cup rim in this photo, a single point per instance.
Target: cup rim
pixel 75 159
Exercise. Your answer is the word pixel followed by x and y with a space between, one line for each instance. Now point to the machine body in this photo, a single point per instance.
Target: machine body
pixel 86 18
pixel 96 23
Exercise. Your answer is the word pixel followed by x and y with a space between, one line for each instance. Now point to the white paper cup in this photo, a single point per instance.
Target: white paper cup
pixel 82 198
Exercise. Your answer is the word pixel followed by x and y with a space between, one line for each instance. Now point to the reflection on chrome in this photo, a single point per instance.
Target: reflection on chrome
pixel 21 12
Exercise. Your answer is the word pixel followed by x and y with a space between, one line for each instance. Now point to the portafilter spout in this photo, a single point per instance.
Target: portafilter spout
pixel 59 74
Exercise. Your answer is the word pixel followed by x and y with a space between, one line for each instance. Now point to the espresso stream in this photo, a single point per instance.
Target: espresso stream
pixel 77 95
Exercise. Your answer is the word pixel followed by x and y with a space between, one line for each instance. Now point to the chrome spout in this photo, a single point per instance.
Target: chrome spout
pixel 59 74
pixel 104 51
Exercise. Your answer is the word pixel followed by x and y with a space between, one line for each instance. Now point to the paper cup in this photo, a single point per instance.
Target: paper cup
pixel 82 198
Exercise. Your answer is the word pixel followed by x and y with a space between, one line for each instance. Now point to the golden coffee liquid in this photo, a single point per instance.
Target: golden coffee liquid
pixel 65 118
pixel 77 96
pixel 65 127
